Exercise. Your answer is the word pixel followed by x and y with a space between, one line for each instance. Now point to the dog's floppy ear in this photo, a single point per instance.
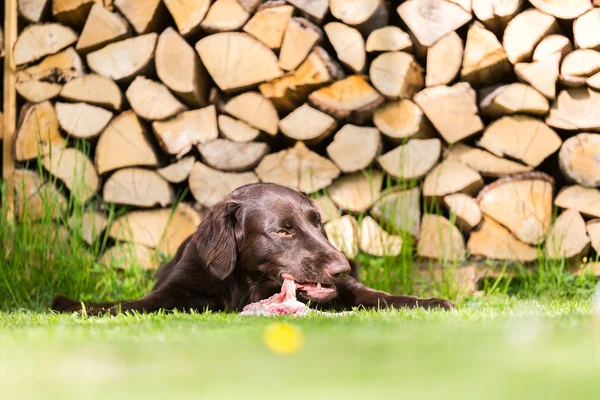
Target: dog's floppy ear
pixel 217 239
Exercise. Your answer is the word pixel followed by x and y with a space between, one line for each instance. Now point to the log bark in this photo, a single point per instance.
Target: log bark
pixel 299 38
pixel 122 61
pixel 377 242
pixel 524 32
pixel 327 209
pixel 88 226
pixel 522 138
pixel 102 27
pixel 138 187
pixel 575 109
pixel 561 9
pixel 451 177
pixel 579 159
pixel 356 193
pixel 388 38
pixel 440 240
pixel 593 231
pixel 178 135
pixel 75 170
pixel 236 130
pixel 72 12
pixel 578 66
pixel 314 9
pixel 485 62
pixel 308 125
pixel 522 203
pixel 452 110
pixel 81 120
pixel 237 61
pixel 399 211
pixel 298 168
pixel 40 40
pixel 396 75
pixel 145 16
pixel 343 235
pixel 495 242
pixel 464 211
pixel 45 80
pixel 496 14
pixel 151 100
pixel 515 98
pixel 579 198
pixel 541 75
pixel 348 44
pixel 93 89
pixel 487 164
pixel 179 68
pixel 551 45
pixel 34 10
pixel 412 160
pixel 226 155
pixel 125 256
pixel 586 30
pixel 35 199
pixel 124 144
pixel 38 132
pixel 178 171
pixel 269 23
pixel 188 14
pixel 568 238
pixel 354 148
pixel 255 110
pixel 209 186
pixel 224 16
pixel 400 120
pixel 444 60
pixel 364 15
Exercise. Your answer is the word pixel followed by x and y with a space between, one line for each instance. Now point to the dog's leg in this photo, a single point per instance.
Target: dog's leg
pixel 64 304
pixel 354 294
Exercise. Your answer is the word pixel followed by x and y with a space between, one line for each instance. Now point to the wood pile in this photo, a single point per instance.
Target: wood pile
pixel 452 126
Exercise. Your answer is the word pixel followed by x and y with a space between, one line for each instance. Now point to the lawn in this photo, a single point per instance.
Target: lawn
pixel 493 348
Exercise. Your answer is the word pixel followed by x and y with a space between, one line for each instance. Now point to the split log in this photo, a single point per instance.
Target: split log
pixel 356 193
pixel 578 66
pixel 33 10
pixel 38 132
pixel 464 211
pixel 579 198
pixel 250 5
pixel 412 160
pixel 515 98
pixel 224 16
pixel 487 164
pixel 39 41
pixel 350 98
pixel 45 80
pixel 377 242
pixel 575 109
pixel 343 235
pixel 520 137
pixel 354 147
pixel 399 211
pixel 314 9
pixel 269 23
pixel 568 238
pixel 101 28
pixel 291 91
pixel 420 16
pixel 364 15
pixel 299 38
pixel 89 226
pixel 396 75
pixel 145 16
pixel 440 240
pixel 178 135
pixel 522 203
pixel 451 177
pixel 308 125
pixel 586 30
pixel 495 242
pixel 237 61
pixel 188 14
pixel 93 89
pixel 209 186
pixel 255 110
pixel 551 45
pixel 236 130
pixel 124 144
pixel 594 81
pixel 125 256
pixel 179 171
pixel 496 14
pixel 402 119
pixel 524 32
pixel 152 100
pixel 452 110
pixel 75 170
pixel 226 155
pixel 180 69
pixel 542 74
pixel 122 61
pixel 35 199
pixel 485 62
pixel 298 168
pixel 72 12
pixel 327 209
pixel 579 159
pixel 138 187
pixel 444 60
pixel 563 9
pixel 388 38
pixel 348 44
pixel 81 120
pixel 593 231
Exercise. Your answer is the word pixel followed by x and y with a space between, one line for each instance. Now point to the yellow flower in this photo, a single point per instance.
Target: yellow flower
pixel 283 338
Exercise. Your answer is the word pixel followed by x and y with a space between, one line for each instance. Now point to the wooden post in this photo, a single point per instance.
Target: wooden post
pixel 10 110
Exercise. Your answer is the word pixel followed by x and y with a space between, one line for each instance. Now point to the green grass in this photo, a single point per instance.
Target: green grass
pixel 496 348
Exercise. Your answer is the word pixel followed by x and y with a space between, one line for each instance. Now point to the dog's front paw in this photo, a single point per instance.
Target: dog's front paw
pixel 438 304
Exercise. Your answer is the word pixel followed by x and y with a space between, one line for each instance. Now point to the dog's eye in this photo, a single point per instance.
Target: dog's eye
pixel 284 233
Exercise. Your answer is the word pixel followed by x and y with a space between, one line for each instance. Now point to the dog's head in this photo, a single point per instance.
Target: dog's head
pixel 270 232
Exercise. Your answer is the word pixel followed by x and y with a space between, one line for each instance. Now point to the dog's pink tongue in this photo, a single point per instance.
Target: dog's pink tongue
pixel 283 303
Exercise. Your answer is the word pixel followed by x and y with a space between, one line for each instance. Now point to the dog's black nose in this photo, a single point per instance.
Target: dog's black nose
pixel 338 271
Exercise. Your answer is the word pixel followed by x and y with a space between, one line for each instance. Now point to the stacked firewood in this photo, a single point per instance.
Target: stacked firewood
pixel 452 126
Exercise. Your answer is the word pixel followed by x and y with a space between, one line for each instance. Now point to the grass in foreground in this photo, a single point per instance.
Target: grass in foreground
pixel 494 348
